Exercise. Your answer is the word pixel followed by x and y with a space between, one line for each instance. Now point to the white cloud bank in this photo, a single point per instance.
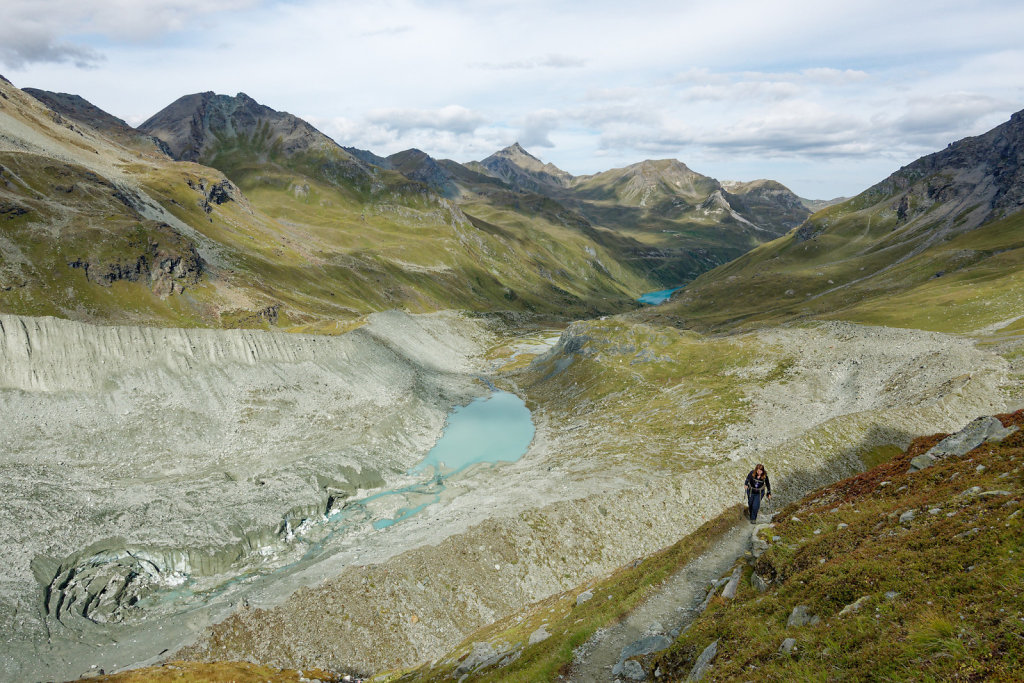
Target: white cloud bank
pixel 825 98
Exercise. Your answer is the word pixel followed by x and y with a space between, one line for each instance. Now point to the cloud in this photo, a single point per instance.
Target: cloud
pixel 387 31
pixel 452 118
pixel 37 31
pixel 537 127
pixel 551 61
pixel 19 50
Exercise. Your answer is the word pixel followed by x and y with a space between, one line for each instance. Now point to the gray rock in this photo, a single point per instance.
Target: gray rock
pixel 703 662
pixel 799 617
pixel 854 606
pixel 633 671
pixel 973 491
pixel 934 511
pixel 787 646
pixel 730 588
pixel 583 597
pixel 967 439
pixel 482 655
pixel 759 584
pixel 891 595
pixel 988 494
pixel 842 525
pixel 539 635
pixel 707 598
pixel 907 516
pixel 921 462
pixel 644 646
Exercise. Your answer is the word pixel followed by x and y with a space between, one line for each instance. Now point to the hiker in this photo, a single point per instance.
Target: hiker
pixel 757 486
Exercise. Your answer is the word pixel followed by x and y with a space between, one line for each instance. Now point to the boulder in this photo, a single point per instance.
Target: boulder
pixel 967 439
pixel 583 597
pixel 908 516
pixel 787 646
pixel 730 588
pixel 539 635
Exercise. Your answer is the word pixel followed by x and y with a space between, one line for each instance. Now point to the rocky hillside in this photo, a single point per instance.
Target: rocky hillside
pixel 766 203
pixel 937 245
pixel 82 111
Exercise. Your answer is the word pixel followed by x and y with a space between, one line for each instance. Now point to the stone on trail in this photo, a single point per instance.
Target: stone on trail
pixel 703 662
pixel 633 671
pixel 644 646
pixel 730 588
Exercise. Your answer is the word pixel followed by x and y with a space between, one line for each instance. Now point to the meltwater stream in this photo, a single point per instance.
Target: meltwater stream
pixel 490 429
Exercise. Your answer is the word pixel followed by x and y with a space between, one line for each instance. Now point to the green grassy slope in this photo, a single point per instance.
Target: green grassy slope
pixel 938 596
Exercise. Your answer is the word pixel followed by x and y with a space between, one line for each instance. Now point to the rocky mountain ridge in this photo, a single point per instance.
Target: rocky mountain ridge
pixel 83 111
pixel 942 232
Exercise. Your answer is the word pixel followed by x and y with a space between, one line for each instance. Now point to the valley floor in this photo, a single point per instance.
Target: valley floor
pixel 643 434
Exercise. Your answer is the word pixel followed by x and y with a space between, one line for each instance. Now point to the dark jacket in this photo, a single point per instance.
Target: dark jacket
pixel 755 485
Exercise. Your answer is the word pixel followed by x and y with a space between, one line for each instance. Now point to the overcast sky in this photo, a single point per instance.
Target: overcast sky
pixel 826 97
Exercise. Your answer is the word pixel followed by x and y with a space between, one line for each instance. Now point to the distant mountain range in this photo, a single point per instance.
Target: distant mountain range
pixel 264 220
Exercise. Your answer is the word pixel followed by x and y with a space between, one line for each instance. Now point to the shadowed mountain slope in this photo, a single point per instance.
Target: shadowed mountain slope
pixel 936 245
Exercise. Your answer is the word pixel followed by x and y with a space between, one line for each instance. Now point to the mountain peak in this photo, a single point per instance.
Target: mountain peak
pixel 521 169
pixel 193 126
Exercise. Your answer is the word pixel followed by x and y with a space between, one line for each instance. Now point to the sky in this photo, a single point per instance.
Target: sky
pixel 826 97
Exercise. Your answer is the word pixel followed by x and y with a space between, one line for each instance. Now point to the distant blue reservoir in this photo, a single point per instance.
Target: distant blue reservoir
pixel 490 429
pixel 659 297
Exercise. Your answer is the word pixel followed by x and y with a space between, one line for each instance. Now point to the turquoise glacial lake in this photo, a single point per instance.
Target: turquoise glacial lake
pixel 495 428
pixel 658 297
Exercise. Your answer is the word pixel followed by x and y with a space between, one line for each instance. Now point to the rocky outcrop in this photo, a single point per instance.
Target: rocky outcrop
pixel 159 257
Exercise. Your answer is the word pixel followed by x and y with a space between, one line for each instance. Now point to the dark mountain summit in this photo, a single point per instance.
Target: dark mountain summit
pixel 201 126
